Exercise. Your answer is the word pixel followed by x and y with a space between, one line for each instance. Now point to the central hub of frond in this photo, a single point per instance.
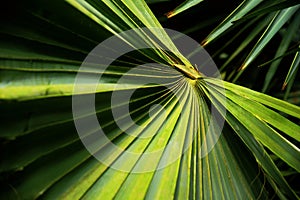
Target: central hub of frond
pixel 188 71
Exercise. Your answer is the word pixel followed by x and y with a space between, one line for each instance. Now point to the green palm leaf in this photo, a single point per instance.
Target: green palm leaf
pixel 43 156
pixel 182 7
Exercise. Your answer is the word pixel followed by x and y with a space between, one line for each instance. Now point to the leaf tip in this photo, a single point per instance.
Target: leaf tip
pixel 242 67
pixel 170 14
pixel 284 86
pixel 204 43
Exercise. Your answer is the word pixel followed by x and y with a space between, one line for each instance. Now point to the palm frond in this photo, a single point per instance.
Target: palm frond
pixel 179 149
